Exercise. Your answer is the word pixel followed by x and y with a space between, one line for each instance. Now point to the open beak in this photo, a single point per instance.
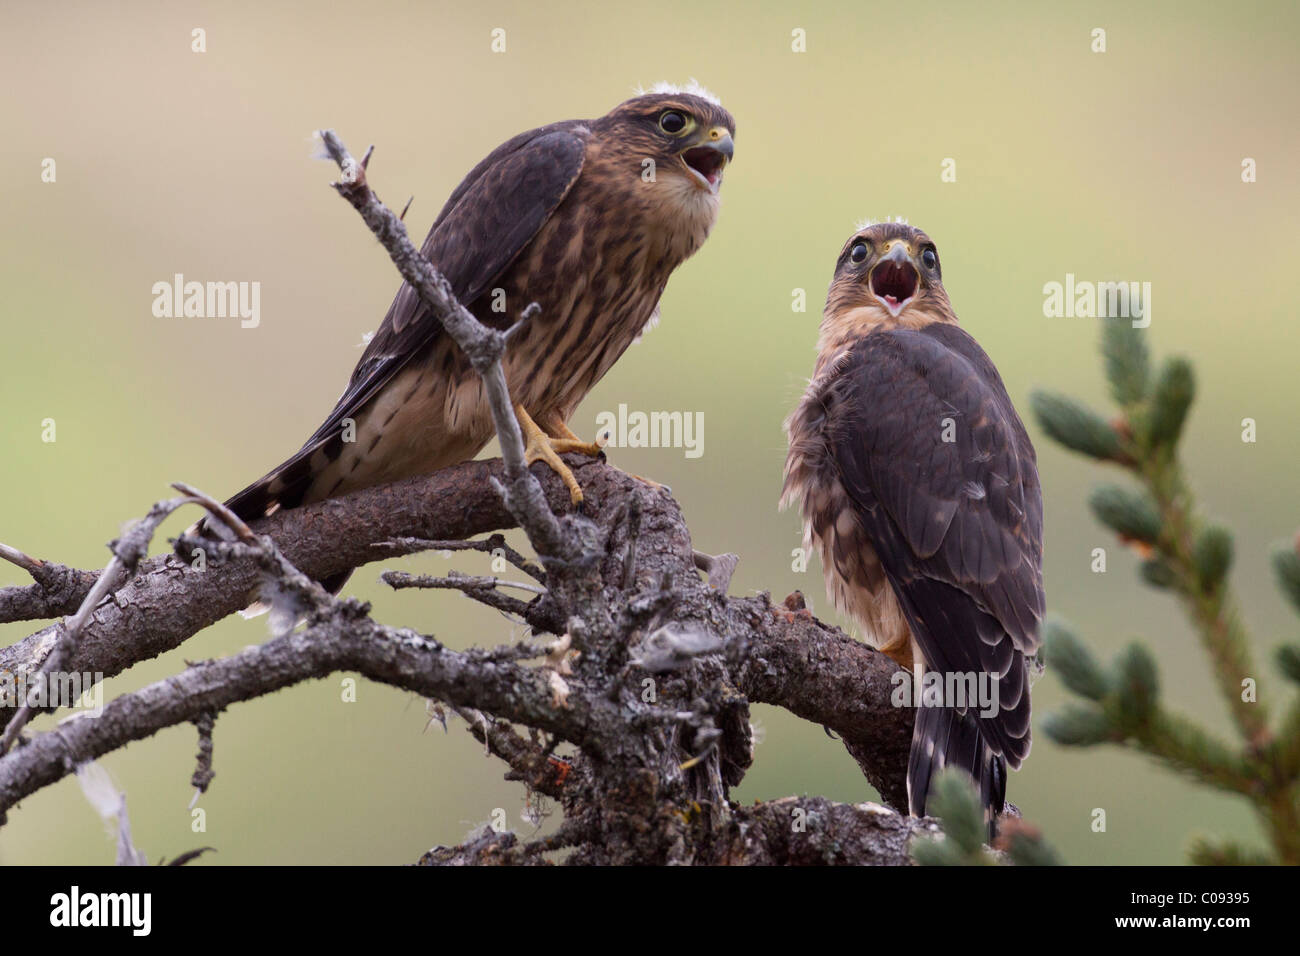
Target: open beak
pixel 708 157
pixel 894 278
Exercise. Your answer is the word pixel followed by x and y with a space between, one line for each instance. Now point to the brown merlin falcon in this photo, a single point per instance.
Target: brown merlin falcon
pixel 919 489
pixel 588 218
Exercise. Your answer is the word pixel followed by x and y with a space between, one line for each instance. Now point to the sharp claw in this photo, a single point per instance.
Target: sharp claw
pixel 546 448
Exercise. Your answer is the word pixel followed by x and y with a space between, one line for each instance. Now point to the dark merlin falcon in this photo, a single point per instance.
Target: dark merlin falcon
pixel 919 489
pixel 588 218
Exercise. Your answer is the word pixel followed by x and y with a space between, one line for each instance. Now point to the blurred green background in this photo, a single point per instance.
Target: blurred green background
pixel 1121 165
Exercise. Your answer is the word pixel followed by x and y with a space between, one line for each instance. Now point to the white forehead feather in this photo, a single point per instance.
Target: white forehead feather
pixel 693 88
pixel 868 223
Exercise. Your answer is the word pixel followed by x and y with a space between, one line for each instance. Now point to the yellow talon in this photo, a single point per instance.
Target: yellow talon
pixel 595 448
pixel 560 432
pixel 655 485
pixel 540 446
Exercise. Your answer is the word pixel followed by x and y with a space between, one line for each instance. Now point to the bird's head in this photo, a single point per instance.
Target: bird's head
pixel 686 133
pixel 892 269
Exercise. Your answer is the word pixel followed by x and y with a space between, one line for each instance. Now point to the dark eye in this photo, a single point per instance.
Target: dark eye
pixel 672 122
pixel 929 259
pixel 859 251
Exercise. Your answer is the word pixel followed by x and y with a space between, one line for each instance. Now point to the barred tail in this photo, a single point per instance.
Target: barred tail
pixel 946 737
pixel 288 486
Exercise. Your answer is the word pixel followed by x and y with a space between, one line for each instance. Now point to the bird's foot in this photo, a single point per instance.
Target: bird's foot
pixel 539 446
pixel 561 436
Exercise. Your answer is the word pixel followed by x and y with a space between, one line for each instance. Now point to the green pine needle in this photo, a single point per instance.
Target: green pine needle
pixel 1212 555
pixel 1287 565
pixel 1127 362
pixel 1072 662
pixel 1157 573
pixel 1137 685
pixel 954 801
pixel 1131 513
pixel 1171 400
pixel 1076 427
pixel 1026 850
pixel 1079 727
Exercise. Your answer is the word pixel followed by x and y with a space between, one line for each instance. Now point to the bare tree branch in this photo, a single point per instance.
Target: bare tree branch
pixel 530 762
pixel 58 590
pixel 399 580
pixel 792 831
pixel 481 589
pixel 203 773
pixel 178 600
pixel 494 544
pixel 339 637
pixel 128 552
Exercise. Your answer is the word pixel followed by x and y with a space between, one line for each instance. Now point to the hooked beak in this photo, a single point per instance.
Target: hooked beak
pixel 894 278
pixel 708 156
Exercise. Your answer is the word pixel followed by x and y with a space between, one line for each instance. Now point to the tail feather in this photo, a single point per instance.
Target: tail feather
pixel 946 737
pixel 286 486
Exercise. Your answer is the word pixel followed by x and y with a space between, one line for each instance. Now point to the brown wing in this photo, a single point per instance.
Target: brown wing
pixel 957 525
pixel 488 220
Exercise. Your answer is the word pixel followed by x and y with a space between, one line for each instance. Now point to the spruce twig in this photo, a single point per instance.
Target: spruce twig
pixel 1190 557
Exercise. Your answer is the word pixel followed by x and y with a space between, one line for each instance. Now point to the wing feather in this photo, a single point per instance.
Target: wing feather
pixel 945 482
pixel 967 512
pixel 485 224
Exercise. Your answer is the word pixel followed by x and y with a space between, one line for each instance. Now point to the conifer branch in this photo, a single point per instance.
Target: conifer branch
pixel 1189 556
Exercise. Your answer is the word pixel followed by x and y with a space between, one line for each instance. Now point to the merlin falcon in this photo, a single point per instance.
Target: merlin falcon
pixel 919 489
pixel 587 218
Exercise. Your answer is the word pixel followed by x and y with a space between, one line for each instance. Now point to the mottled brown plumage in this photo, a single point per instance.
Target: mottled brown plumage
pixel 919 489
pixel 586 218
